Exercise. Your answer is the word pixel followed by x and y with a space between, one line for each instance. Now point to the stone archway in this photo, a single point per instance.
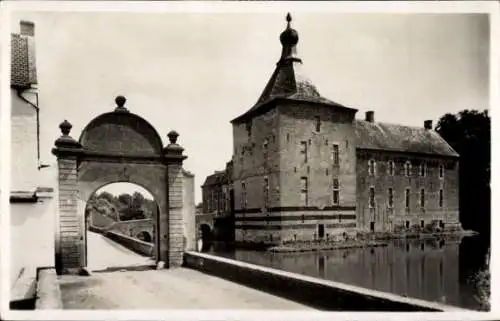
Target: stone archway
pixel 117 146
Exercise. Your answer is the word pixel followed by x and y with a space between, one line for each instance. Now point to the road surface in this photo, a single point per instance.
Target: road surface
pixel 104 253
pixel 178 288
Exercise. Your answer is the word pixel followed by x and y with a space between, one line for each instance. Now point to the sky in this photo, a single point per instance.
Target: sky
pixel 194 72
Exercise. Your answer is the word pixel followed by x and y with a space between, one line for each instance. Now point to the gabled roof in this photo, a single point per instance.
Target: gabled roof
pixel 215 179
pixel 288 81
pixel 391 137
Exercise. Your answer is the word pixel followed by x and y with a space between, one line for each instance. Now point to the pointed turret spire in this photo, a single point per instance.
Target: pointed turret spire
pixel 289 39
pixel 288 81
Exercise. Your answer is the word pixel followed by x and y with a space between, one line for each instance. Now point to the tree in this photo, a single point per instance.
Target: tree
pixel 469 134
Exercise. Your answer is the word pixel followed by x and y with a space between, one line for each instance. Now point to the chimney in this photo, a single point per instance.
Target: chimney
pixel 370 116
pixel 428 124
pixel 27 28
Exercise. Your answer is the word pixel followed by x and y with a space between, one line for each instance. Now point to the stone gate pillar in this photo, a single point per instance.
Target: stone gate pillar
pixel 69 254
pixel 174 158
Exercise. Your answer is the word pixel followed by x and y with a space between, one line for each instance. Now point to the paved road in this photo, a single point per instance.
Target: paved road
pixel 179 288
pixel 104 253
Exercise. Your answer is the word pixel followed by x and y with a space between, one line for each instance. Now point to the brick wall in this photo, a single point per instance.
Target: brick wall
pixel 385 218
pixel 285 127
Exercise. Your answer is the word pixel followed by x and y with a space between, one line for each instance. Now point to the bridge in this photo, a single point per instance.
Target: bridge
pixel 119 278
pixel 144 229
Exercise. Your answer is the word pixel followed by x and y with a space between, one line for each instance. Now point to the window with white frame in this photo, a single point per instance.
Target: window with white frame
pixel 407 198
pixel 303 191
pixel 371 167
pixel 422 198
pixel 303 151
pixel 423 169
pixel 336 191
pixel 372 197
pixel 441 171
pixel 391 167
pixel 266 191
pixel 390 197
pixel 408 168
pixel 335 154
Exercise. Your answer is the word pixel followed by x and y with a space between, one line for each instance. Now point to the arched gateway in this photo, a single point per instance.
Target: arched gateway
pixel 117 146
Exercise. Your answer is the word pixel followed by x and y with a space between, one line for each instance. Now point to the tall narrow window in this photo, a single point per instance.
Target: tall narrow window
pixel 303 191
pixel 371 167
pixel 390 168
pixel 335 154
pixel 407 169
pixel 423 169
pixel 422 198
pixel 390 197
pixel 303 151
pixel 441 171
pixel 318 123
pixel 266 191
pixel 372 197
pixel 336 188
pixel 441 198
pixel 243 195
pixel 407 198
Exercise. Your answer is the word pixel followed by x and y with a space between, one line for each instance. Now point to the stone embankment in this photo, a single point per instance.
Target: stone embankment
pixel 365 240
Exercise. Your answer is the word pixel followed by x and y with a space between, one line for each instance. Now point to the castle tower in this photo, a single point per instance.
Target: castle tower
pixel 294 157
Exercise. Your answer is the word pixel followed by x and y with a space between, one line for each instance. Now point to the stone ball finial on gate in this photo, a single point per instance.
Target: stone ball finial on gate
pixel 172 136
pixel 120 103
pixel 65 127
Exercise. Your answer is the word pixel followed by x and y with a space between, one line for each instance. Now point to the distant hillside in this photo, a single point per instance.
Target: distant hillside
pixel 122 208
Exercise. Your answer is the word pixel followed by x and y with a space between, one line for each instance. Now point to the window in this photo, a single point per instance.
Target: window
pixel 321 231
pixel 441 171
pixel 371 167
pixel 390 196
pixel 318 123
pixel 303 191
pixel 303 151
pixel 266 191
pixel 335 154
pixel 422 198
pixel 249 128
pixel 423 169
pixel 407 169
pixel 372 197
pixel 336 188
pixel 264 145
pixel 372 226
pixel 243 195
pixel 407 198
pixel 441 198
pixel 390 168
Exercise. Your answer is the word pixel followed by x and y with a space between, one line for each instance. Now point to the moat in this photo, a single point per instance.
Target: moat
pixel 432 270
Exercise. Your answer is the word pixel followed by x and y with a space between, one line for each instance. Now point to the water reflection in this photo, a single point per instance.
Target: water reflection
pixel 427 269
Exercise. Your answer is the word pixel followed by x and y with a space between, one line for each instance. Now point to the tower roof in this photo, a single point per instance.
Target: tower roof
pixel 288 80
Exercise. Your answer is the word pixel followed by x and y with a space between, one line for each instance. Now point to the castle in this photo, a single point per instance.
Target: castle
pixel 305 168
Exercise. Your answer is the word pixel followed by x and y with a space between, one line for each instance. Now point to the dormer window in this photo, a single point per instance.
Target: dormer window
pixel 371 167
pixel 423 169
pixel 391 168
pixel 408 169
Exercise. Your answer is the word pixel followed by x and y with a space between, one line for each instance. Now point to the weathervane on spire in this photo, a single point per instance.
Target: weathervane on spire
pixel 288 19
